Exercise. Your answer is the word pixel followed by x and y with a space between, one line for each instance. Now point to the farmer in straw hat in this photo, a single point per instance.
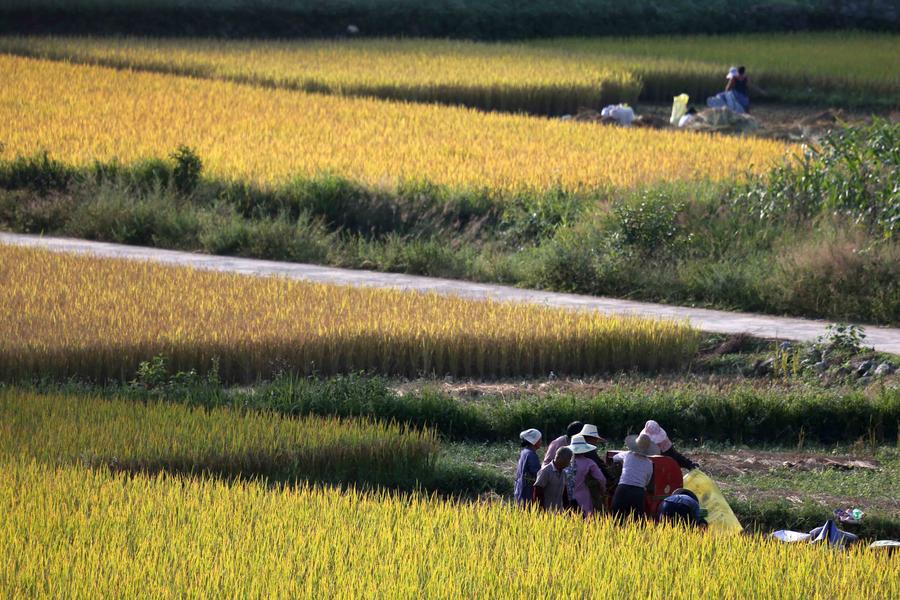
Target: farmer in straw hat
pixel 592 436
pixel 529 465
pixel 659 437
pixel 637 471
pixel 580 473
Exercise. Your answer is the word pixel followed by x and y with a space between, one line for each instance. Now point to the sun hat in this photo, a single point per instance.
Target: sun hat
pixel 642 444
pixel 580 446
pixel 532 436
pixel 657 434
pixel 732 73
pixel 591 431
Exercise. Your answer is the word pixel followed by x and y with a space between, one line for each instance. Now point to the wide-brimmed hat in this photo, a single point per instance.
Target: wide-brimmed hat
pixel 580 446
pixel 656 433
pixel 642 444
pixel 591 431
pixel 532 436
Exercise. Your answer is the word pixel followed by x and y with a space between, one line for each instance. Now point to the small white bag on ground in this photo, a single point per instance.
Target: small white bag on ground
pixel 621 113
pixel 679 108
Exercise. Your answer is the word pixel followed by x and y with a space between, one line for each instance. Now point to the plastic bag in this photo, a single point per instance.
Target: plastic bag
pixel 719 515
pixel 621 113
pixel 679 108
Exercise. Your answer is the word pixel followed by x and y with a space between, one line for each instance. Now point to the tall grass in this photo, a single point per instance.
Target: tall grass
pixel 160 436
pixel 98 318
pixel 83 534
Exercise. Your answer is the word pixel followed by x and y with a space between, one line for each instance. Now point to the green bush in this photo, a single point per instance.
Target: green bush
pixel 854 171
pixel 186 173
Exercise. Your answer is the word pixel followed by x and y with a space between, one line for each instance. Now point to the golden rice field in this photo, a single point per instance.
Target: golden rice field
pixel 544 76
pixel 98 318
pixel 77 533
pixel 84 113
pixel 496 76
pixel 162 436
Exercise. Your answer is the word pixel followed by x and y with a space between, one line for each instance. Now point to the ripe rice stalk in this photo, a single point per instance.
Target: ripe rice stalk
pixel 99 318
pixel 77 533
pixel 83 114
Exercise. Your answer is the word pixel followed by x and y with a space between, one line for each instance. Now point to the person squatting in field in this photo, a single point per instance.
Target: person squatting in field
pixel 736 96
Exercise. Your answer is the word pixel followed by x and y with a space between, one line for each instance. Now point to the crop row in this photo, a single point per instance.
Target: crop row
pixel 83 533
pixel 548 77
pixel 160 436
pixel 82 114
pixel 98 318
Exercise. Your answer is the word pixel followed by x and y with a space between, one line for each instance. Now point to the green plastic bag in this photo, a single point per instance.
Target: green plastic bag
pixel 719 515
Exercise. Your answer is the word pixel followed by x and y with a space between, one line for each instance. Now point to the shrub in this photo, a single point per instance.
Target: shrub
pixel 186 173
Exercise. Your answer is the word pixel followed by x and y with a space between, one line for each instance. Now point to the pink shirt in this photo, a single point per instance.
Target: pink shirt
pixel 583 467
pixel 555 445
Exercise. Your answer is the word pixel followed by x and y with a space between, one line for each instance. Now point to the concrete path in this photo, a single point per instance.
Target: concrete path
pixel 882 338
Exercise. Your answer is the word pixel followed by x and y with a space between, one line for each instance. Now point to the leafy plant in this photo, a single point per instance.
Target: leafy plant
pixel 188 166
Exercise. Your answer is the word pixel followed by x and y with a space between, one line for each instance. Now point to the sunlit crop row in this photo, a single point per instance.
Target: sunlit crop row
pixel 83 113
pixel 546 76
pixel 151 437
pixel 497 76
pixel 76 533
pixel 71 315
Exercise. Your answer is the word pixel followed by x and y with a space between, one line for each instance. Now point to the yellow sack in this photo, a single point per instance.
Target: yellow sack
pixel 679 108
pixel 719 515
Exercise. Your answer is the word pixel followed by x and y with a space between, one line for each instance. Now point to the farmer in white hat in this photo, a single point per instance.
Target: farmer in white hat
pixel 592 436
pixel 659 437
pixel 637 471
pixel 529 465
pixel 580 473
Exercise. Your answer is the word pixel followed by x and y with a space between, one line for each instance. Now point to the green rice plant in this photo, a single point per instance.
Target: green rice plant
pixel 160 436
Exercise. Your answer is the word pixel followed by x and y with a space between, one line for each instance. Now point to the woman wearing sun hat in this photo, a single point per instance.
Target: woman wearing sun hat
pixel 592 436
pixel 579 474
pixel 529 465
pixel 659 437
pixel 637 471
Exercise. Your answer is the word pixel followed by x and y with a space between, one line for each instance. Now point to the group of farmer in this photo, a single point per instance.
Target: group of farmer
pixel 574 477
